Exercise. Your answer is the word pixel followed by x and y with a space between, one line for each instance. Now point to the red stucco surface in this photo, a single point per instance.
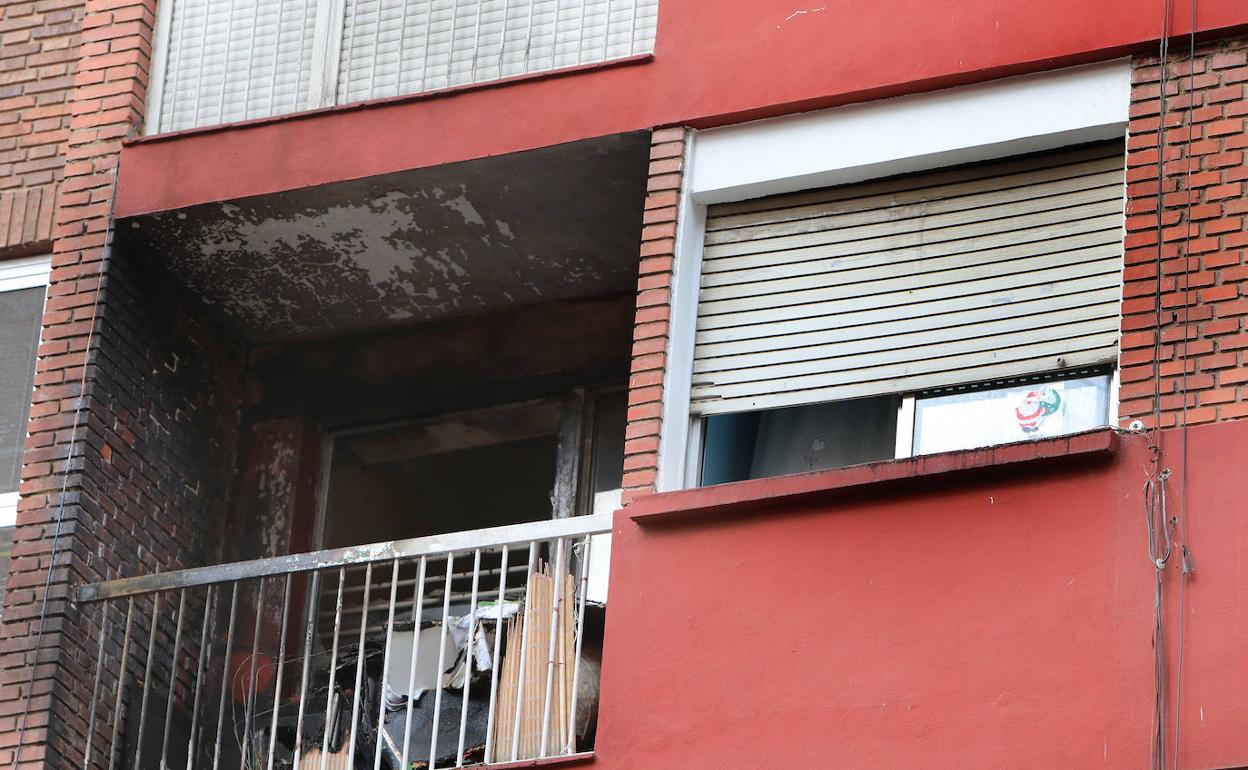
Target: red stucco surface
pixel 997 618
pixel 716 61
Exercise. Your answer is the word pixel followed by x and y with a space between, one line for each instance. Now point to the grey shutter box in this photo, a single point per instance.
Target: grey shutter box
pixel 945 278
pixel 231 60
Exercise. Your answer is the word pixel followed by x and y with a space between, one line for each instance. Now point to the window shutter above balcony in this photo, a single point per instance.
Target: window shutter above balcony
pixel 390 47
pixel 220 61
pixel 943 278
pixel 231 61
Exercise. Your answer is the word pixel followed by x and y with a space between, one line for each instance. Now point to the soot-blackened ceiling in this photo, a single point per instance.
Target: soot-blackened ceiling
pixel 537 226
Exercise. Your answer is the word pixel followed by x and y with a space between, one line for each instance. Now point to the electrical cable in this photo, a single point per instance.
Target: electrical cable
pixel 1154 488
pixel 1185 553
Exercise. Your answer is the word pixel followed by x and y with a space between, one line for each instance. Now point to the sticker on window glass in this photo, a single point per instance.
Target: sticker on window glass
pixel 1037 405
pixel 1004 415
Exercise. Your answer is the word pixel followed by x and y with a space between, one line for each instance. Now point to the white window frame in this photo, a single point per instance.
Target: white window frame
pixel 966 124
pixel 17 274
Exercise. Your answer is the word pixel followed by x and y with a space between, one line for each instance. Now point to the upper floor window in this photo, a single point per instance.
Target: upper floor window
pixel 945 310
pixel 218 62
pixel 23 284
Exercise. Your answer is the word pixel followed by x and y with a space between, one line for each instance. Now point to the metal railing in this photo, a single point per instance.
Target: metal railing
pixel 480 653
pixel 220 61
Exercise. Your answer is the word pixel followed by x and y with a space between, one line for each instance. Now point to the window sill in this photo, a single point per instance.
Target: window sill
pixel 741 496
pixel 571 760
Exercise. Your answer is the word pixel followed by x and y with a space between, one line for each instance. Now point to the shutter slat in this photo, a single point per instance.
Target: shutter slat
pixel 1001 289
pixel 880 279
pixel 849 356
pixel 730 342
pixel 892 208
pixel 985 305
pixel 943 227
pixel 1024 247
pixel 927 281
pixel 836 342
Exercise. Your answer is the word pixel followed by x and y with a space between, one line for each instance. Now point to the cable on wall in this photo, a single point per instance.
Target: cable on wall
pixel 1155 486
pixel 1186 563
pixel 1166 534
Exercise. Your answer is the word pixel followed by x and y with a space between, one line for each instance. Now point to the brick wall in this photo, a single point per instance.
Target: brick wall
pixel 146 474
pixel 650 332
pixel 38 58
pixel 1215 105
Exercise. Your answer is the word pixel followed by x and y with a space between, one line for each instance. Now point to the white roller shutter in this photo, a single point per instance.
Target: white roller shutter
pixel 392 47
pixel 960 276
pixel 230 60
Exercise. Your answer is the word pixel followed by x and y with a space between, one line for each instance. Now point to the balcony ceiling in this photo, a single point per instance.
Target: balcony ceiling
pixel 550 224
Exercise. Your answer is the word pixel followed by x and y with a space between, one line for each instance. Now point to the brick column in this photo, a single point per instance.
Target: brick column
pixel 78 481
pixel 38 56
pixel 1216 105
pixel 650 331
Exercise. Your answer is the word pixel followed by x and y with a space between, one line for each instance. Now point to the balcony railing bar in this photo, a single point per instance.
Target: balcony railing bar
pixel 472 638
pixel 524 645
pixel 359 669
pixel 437 698
pixel 147 691
pixel 125 656
pixel 498 638
pixel 252 680
pixel 433 545
pixel 418 602
pixel 229 648
pixel 385 666
pixel 281 667
pixel 95 687
pixel 309 632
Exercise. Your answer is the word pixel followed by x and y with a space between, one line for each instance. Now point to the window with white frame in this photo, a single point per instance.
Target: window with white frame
pixel 23 284
pixel 943 310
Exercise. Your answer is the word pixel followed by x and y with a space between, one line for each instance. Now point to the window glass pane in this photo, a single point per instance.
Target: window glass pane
pixel 1004 415
pixel 806 438
pixel 21 312
pixel 610 420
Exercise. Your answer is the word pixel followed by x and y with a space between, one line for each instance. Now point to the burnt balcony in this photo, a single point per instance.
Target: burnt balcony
pixel 330 380
pixel 456 649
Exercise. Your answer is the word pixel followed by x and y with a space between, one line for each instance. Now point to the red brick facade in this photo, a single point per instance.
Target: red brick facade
pixel 38 60
pixel 653 322
pixel 134 417
pixel 1211 97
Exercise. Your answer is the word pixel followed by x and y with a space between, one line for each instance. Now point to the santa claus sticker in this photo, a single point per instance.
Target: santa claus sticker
pixel 1037 405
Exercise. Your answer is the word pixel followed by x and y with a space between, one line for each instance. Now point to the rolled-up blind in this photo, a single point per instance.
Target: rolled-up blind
pixel 394 47
pixel 230 60
pixel 959 276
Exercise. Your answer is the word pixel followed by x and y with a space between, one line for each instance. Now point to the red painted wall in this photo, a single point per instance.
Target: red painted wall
pixel 716 61
pixel 1001 619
